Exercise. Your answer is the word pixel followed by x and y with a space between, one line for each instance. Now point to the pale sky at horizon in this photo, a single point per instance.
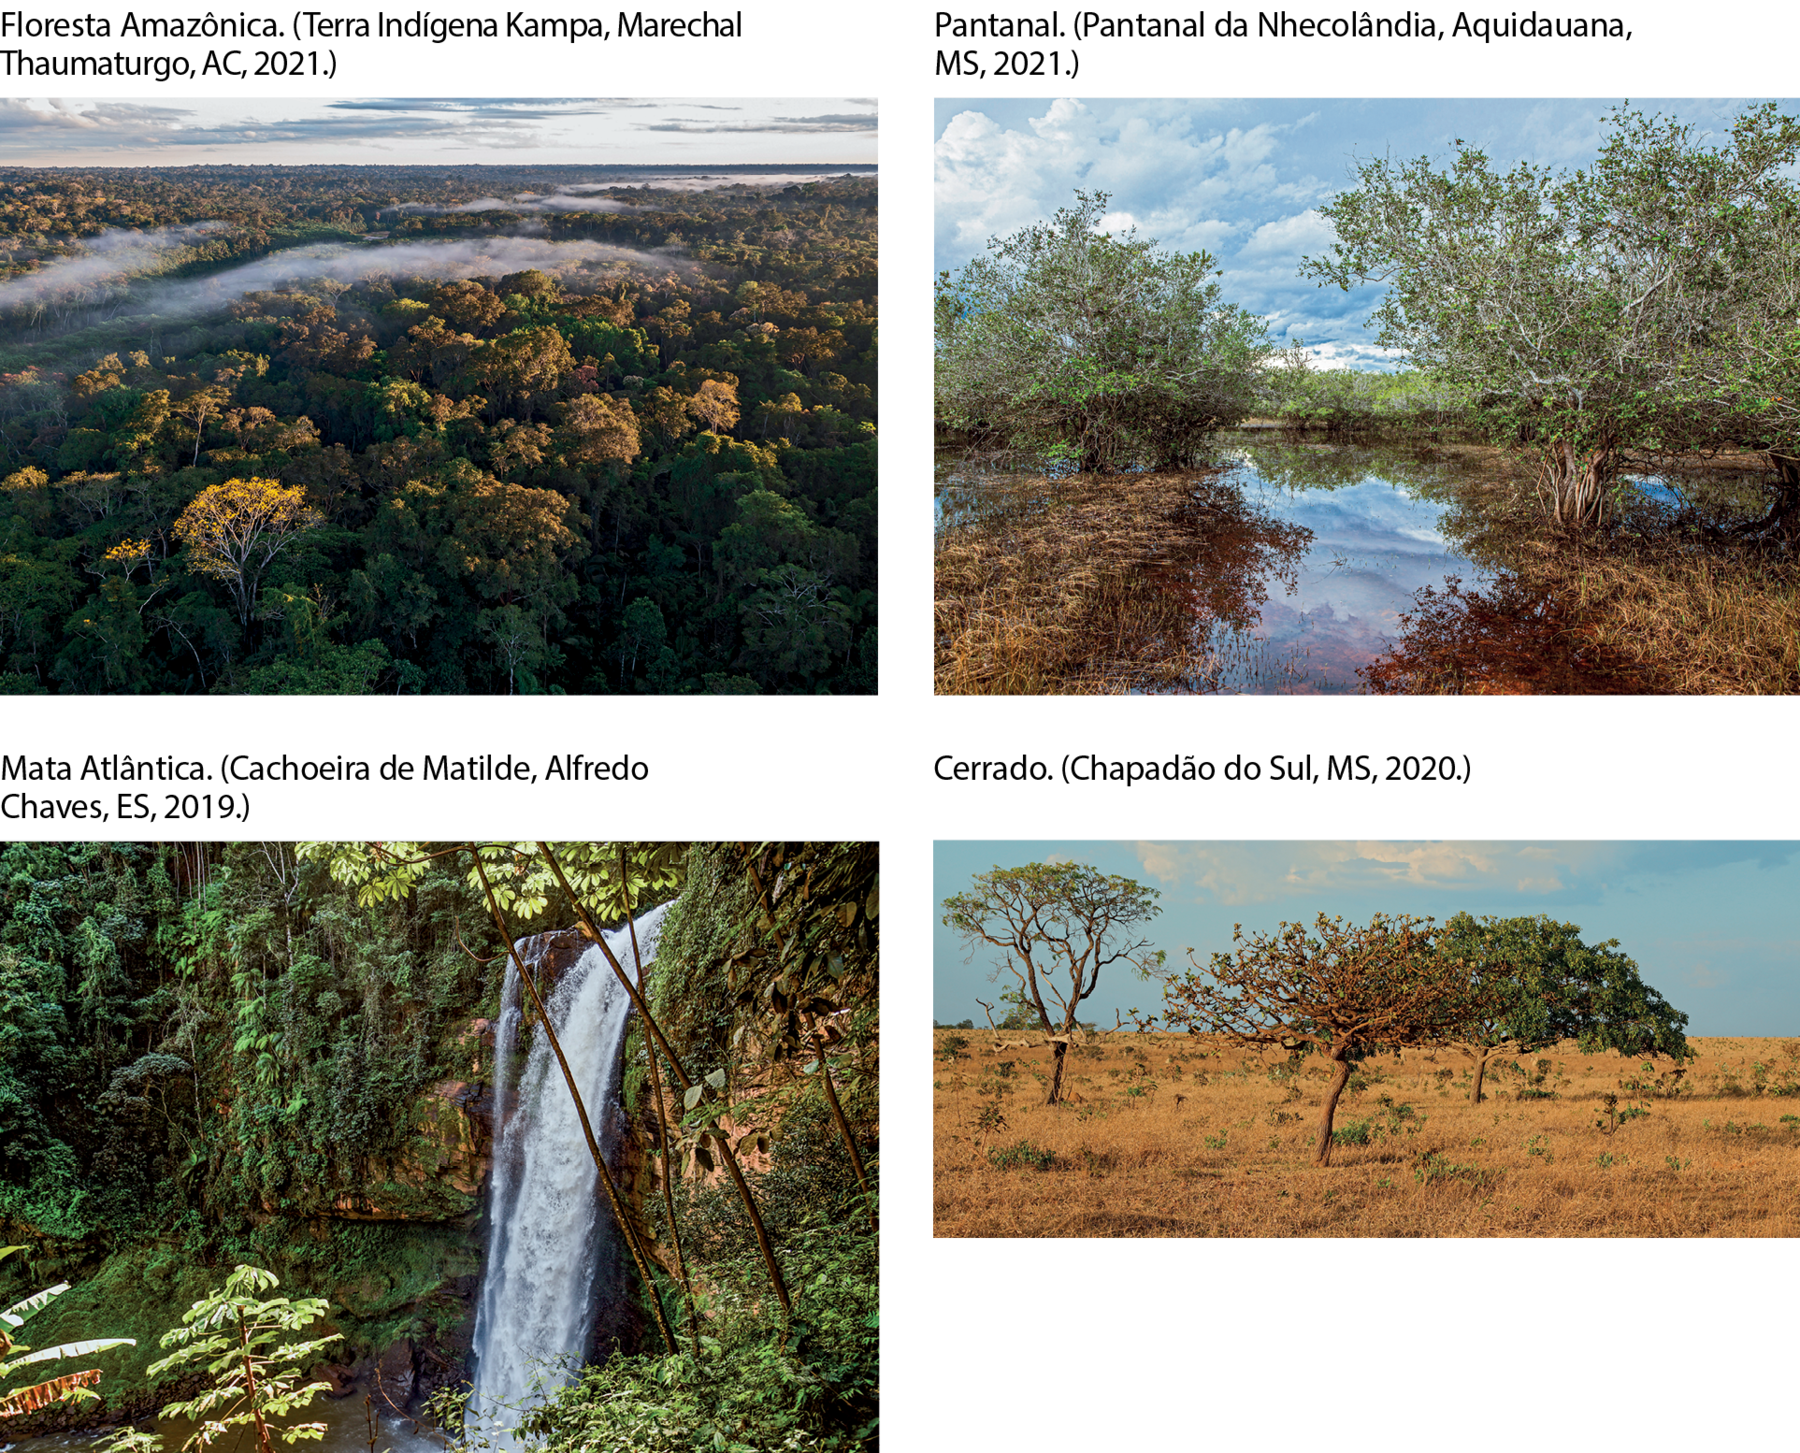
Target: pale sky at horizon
pixel 1714 926
pixel 1241 179
pixel 498 131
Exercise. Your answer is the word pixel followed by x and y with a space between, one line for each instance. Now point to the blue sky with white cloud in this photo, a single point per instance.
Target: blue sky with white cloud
pixel 1715 926
pixel 520 131
pixel 1242 180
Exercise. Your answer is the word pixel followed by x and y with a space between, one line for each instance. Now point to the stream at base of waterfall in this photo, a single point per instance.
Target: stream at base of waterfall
pixel 552 1256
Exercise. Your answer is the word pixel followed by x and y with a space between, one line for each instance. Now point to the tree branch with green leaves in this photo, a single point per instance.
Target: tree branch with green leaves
pixel 1057 926
pixel 1644 301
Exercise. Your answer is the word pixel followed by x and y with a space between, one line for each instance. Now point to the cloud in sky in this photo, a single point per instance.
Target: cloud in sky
pixel 1714 925
pixel 1250 873
pixel 435 131
pixel 1243 180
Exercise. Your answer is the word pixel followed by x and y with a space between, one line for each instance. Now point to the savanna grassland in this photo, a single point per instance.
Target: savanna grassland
pixel 1177 1135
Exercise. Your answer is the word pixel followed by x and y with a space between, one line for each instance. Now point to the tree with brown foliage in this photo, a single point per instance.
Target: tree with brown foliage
pixel 1343 990
pixel 467 304
pixel 1057 926
pixel 597 430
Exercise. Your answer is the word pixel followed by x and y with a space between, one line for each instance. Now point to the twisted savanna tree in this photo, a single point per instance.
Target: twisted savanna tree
pixel 1057 926
pixel 1544 985
pixel 1341 990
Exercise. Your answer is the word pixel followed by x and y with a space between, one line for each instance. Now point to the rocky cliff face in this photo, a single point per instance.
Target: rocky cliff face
pixel 439 1173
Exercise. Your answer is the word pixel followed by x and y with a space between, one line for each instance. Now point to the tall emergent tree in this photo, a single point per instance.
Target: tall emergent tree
pixel 1057 926
pixel 1343 991
pixel 1643 301
pixel 1546 985
pixel 1066 342
pixel 233 530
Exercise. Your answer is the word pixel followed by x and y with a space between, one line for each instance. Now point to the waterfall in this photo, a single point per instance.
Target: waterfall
pixel 551 1242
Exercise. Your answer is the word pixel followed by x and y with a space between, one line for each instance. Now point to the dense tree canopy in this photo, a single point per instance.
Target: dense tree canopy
pixel 644 463
pixel 1546 985
pixel 1065 342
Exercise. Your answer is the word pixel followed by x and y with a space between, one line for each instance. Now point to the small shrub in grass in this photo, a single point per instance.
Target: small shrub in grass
pixel 1393 1120
pixel 1022 1156
pixel 951 1046
pixel 1434 1166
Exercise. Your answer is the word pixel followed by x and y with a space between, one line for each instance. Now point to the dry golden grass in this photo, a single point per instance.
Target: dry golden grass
pixel 1689 623
pixel 1020 592
pixel 1167 1135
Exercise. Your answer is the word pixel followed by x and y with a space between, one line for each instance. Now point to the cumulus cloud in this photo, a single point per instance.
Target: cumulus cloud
pixel 1291 237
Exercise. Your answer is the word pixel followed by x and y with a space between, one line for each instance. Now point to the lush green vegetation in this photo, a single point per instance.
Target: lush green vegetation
pixel 214 1034
pixel 624 447
pixel 1355 402
pixel 247 1053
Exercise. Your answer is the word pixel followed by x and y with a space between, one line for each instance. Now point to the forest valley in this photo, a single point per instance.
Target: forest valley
pixel 282 1056
pixel 418 429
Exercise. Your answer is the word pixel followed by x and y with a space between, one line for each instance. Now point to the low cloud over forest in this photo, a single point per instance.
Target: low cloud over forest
pixel 103 278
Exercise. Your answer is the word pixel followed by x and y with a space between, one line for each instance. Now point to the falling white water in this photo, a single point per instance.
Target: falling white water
pixel 549 1232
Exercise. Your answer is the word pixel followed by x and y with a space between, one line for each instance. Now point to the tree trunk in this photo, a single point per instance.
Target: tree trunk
pixel 1056 1074
pixel 1573 483
pixel 1340 1055
pixel 1475 1089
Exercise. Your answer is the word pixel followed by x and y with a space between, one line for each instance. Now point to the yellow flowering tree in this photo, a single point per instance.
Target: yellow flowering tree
pixel 233 530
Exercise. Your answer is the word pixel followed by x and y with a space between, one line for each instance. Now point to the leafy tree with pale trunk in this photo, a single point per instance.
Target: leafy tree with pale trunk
pixel 715 405
pixel 196 408
pixel 1341 990
pixel 1639 302
pixel 1057 926
pixel 1545 985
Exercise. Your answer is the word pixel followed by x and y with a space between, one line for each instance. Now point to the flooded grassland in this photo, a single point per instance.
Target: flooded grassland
pixel 1299 564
